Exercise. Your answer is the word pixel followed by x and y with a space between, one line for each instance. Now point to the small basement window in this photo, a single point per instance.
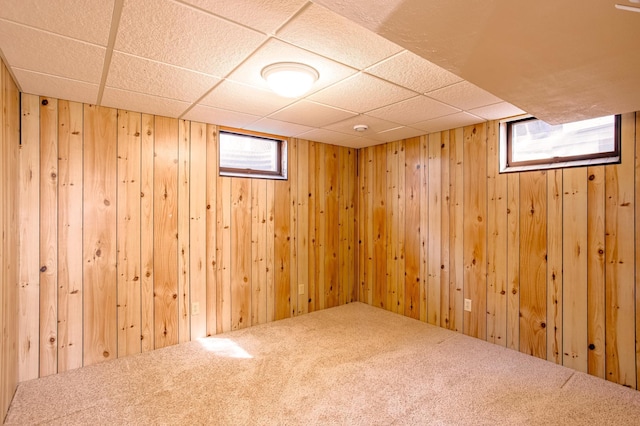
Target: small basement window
pixel 527 143
pixel 252 155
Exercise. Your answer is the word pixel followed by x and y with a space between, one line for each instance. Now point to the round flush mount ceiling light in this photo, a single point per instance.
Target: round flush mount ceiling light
pixel 360 127
pixel 290 79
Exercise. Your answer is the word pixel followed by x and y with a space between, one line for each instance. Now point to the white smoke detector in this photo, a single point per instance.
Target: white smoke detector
pixel 360 127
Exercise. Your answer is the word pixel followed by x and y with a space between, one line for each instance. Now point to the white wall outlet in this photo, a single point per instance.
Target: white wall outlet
pixel 300 288
pixel 467 305
pixel 195 308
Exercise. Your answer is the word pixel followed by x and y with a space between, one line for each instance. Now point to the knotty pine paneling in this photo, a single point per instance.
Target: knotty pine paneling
pixel 545 257
pixel 143 245
pixel 10 183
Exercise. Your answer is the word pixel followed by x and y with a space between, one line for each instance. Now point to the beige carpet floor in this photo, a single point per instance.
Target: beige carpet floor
pixel 351 365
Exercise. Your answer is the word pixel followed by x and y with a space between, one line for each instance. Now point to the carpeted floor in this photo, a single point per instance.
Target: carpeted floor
pixel 350 365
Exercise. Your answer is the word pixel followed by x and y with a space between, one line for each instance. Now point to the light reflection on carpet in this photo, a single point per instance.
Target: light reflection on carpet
pixel 224 347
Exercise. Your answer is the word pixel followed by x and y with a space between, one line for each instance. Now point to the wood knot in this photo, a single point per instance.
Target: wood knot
pixel 107 203
pixel 592 346
pixel 43 269
pixel 592 177
pixel 136 134
pixel 45 102
pixel 543 325
pixel 175 296
pixel 53 175
pixel 52 339
pixel 105 354
pixel 600 252
pixel 98 253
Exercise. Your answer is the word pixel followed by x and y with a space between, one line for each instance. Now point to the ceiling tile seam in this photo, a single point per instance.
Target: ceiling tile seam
pixel 292 17
pixel 155 61
pixel 308 100
pixel 113 33
pixel 75 80
pixel 10 69
pixel 41 30
pixel 226 77
pixel 215 15
pixel 149 94
pixel 380 62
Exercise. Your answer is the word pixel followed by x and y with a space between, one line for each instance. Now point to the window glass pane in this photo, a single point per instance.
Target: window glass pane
pixel 536 140
pixel 246 152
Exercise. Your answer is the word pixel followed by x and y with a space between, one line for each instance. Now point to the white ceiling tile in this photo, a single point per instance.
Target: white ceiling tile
pixel 397 134
pixel 116 98
pixel 361 142
pixel 325 136
pixel 43 52
pixel 375 125
pixel 413 110
pixel 413 72
pixel 278 51
pixel 275 127
pixel 249 100
pixel 497 111
pixel 56 87
pixel 362 93
pixel 181 35
pixel 205 114
pixel 264 15
pixel 65 17
pixel 311 114
pixel 464 95
pixel 448 122
pixel 324 32
pixel 136 74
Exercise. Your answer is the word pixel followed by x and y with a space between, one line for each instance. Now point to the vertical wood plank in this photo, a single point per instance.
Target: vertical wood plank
pixel 574 235
pixel 533 264
pixel 147 152
pixel 48 236
pixel 270 250
pixel 70 141
pixel 496 242
pixel 379 280
pixel 475 229
pixel 282 253
pixel 596 270
pixel 401 272
pixel 99 242
pixel 184 246
pixel 240 253
pixel 445 290
pixel 352 232
pixel 513 261
pixel 412 228
pixel 293 226
pixel 456 234
pixel 332 233
pixel 434 308
pixel 424 227
pixel 223 254
pixel 259 251
pixel 370 237
pixel 343 226
pixel 213 264
pixel 555 266
pixel 637 240
pixel 313 238
pixel 302 239
pixel 128 228
pixel 392 226
pixel 321 224
pixel 620 282
pixel 165 222
pixel 198 229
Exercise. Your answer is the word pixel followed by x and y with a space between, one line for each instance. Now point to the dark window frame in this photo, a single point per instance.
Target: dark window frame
pixel 508 165
pixel 281 160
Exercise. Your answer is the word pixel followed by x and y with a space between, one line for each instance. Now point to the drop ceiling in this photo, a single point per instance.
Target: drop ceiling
pixel 404 68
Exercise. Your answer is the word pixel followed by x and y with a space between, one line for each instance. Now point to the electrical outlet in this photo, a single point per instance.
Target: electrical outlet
pixel 300 288
pixel 195 308
pixel 467 305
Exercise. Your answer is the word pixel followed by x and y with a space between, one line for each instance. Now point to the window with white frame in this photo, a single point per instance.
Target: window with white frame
pixel 527 143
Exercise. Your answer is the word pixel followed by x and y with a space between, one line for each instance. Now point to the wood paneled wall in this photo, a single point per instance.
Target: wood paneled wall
pixel 131 240
pixel 9 148
pixel 548 259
